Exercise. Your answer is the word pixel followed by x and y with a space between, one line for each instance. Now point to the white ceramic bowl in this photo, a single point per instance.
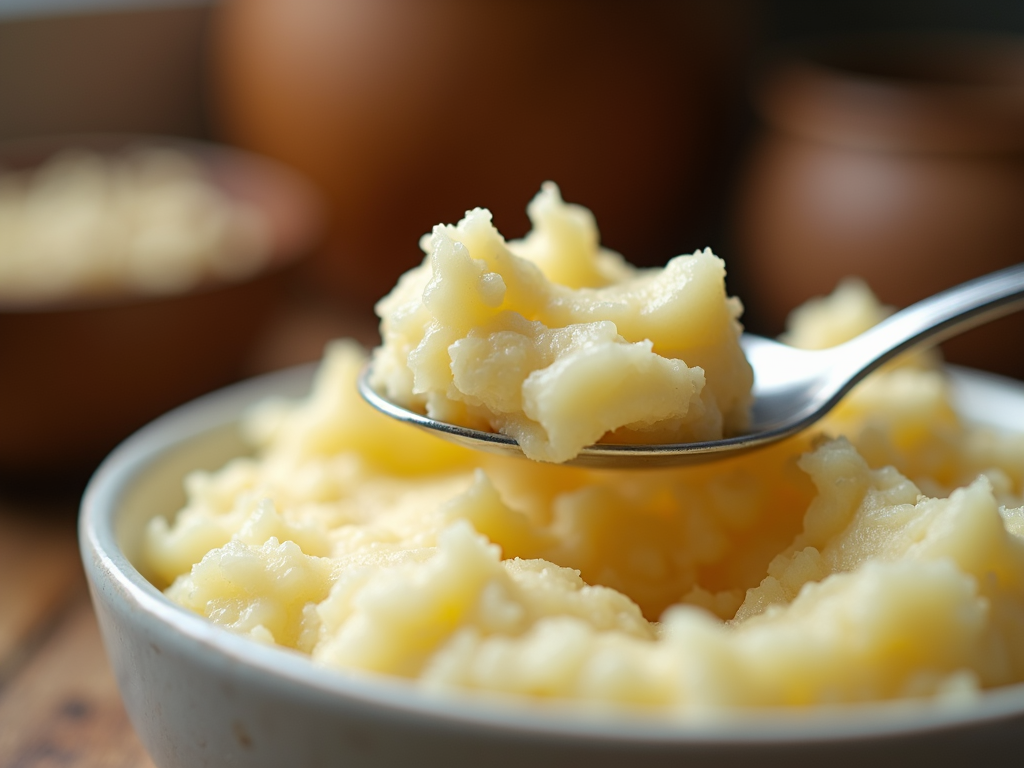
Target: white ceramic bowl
pixel 201 696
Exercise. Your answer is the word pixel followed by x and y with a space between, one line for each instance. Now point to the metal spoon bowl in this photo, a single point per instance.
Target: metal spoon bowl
pixel 793 388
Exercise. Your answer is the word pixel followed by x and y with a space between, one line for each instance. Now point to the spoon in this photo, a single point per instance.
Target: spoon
pixel 793 388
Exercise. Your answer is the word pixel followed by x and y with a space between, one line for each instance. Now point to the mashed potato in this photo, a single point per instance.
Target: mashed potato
pixel 877 556
pixel 146 219
pixel 557 342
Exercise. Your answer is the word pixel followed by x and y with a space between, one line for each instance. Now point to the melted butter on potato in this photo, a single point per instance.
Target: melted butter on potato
pixel 878 556
pixel 559 343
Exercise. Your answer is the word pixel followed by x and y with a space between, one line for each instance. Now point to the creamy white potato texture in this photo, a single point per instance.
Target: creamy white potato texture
pixel 878 556
pixel 560 343
pixel 147 219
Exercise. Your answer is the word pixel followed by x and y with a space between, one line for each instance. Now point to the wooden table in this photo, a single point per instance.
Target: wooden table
pixel 59 703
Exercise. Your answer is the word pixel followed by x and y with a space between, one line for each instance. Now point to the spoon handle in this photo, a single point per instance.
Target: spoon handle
pixel 937 318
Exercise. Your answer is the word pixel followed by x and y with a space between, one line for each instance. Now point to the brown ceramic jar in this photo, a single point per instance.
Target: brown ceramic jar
pixel 898 161
pixel 408 113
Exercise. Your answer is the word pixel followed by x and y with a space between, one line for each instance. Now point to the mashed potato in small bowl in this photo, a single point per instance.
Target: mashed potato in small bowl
pixel 331 587
pixel 135 274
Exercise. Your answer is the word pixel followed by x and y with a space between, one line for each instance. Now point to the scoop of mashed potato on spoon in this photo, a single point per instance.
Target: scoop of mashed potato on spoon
pixel 560 343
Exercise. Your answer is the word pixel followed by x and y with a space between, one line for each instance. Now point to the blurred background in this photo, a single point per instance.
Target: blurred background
pixel 192 192
pixel 801 141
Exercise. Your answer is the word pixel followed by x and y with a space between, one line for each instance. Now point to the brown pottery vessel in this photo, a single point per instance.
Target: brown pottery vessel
pixel 898 161
pixel 408 113
pixel 78 374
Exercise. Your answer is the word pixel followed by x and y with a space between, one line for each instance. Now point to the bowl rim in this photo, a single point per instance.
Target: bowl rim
pixel 108 567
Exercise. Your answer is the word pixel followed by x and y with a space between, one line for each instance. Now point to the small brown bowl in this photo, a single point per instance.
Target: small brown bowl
pixel 79 374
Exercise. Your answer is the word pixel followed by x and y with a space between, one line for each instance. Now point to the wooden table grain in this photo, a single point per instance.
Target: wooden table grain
pixel 59 702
